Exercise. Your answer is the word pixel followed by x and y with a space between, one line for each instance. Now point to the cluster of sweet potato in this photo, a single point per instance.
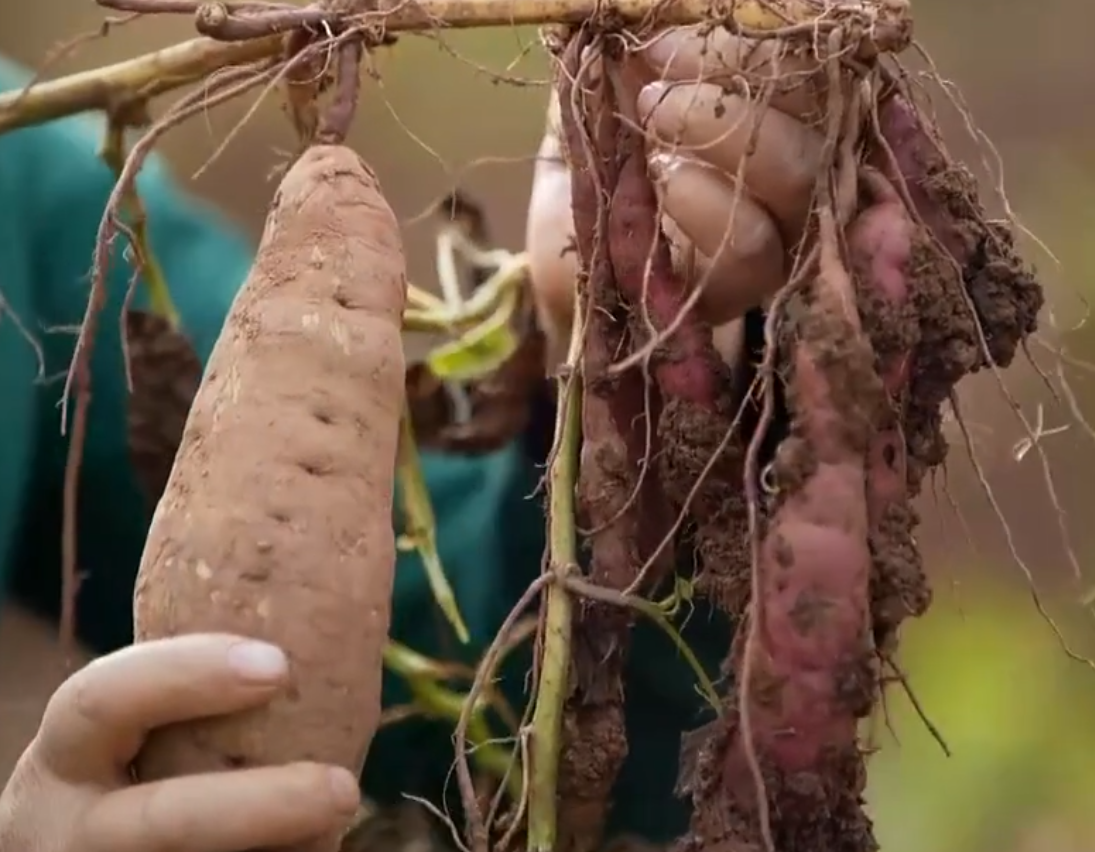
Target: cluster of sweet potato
pixel 904 287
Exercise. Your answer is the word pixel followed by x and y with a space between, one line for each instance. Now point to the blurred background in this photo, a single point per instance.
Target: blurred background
pixel 1017 713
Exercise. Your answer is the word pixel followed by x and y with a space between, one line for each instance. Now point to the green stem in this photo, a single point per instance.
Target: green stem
pixel 547 717
pixel 432 699
pixel 159 295
pixel 420 527
pixel 654 612
pixel 428 314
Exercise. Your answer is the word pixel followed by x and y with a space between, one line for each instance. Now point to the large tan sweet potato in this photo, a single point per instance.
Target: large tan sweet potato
pixel 276 521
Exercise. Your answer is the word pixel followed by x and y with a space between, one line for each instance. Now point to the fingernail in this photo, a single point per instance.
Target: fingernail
pixel 659 167
pixel 665 165
pixel 258 661
pixel 650 99
pixel 344 789
pixel 660 164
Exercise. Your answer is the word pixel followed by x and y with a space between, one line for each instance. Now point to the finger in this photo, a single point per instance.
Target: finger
pixel 729 340
pixel 95 723
pixel 740 259
pixel 728 337
pixel 553 260
pixel 550 236
pixel 262 808
pixel 701 54
pixel 782 156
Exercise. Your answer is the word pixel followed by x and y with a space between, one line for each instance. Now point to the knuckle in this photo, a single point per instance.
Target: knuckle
pixel 76 698
pixel 758 236
pixel 87 698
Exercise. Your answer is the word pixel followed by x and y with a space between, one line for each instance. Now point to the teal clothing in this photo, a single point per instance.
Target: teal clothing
pixel 491 530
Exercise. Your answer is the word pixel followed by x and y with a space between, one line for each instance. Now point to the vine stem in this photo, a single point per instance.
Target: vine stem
pixel 113 153
pixel 145 76
pixel 420 526
pixel 547 715
pixel 887 24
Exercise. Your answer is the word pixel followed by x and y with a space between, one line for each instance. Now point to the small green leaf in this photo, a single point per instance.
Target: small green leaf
pixel 480 351
pixel 420 528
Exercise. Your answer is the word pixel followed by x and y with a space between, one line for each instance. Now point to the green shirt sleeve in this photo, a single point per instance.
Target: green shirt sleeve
pixel 55 189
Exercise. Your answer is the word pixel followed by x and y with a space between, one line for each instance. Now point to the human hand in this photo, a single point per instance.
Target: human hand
pixel 698 136
pixel 72 789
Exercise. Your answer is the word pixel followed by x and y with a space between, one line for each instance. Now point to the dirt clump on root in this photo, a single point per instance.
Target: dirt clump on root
pixel 165 373
pixel 973 303
pixel 975 299
pixel 720 545
pixel 811 817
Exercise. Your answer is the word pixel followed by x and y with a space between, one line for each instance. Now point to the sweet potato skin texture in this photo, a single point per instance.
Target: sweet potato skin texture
pixel 812 655
pixel 276 520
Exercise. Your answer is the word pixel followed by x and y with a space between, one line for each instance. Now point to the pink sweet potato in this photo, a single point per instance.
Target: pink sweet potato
pixel 624 508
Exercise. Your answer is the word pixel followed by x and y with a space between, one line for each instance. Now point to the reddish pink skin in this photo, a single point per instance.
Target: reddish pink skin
pixel 815 608
pixel 880 241
pixel 689 371
pixel 914 152
pixel 825 530
pixel 620 414
pixel 882 238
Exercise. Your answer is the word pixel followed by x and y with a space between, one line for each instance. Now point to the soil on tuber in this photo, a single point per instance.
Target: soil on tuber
pixel 165 374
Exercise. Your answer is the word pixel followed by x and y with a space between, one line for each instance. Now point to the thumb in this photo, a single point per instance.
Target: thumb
pixel 549 240
pixel 97 720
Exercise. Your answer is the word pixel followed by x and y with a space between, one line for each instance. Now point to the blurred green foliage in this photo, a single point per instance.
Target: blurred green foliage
pixel 1015 712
